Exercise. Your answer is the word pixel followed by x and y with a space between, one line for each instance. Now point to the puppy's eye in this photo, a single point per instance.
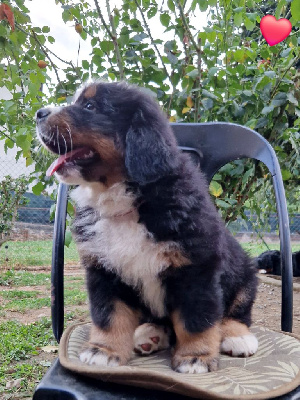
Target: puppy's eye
pixel 89 106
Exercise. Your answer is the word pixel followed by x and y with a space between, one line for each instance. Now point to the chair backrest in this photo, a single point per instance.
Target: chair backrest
pixel 218 143
pixel 214 144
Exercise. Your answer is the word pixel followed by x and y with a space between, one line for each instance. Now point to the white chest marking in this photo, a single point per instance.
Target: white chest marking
pixel 124 246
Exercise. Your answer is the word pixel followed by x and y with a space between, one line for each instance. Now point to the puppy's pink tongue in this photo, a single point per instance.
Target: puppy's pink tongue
pixel 65 157
pixel 56 164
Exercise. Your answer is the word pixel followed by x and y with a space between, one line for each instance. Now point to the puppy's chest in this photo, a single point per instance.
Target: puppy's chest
pixel 125 247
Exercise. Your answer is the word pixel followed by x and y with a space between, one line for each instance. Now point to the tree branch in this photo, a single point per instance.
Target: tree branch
pixel 6 135
pixel 47 56
pixel 294 61
pixel 113 35
pixel 152 40
pixel 198 82
pixel 48 50
pixel 278 118
pixel 186 26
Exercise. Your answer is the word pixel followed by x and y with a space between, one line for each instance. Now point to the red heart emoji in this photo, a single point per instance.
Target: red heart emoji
pixel 275 31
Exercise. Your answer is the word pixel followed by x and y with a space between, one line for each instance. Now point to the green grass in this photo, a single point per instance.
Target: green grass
pixel 39 253
pixel 24 278
pixel 23 300
pixel 22 305
pixel 75 297
pixel 254 249
pixel 18 344
pixel 35 253
pixel 22 294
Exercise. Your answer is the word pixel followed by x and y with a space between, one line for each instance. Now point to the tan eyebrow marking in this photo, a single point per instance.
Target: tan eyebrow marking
pixel 90 91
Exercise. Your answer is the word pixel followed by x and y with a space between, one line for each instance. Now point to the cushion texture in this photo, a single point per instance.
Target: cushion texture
pixel 273 371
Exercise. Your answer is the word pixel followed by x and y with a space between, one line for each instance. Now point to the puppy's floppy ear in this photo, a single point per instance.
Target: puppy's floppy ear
pixel 150 149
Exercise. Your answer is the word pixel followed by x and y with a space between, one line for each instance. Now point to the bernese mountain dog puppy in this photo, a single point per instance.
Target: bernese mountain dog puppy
pixel 157 255
pixel 268 262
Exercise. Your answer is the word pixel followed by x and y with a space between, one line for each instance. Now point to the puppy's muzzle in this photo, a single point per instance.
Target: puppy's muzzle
pixel 42 114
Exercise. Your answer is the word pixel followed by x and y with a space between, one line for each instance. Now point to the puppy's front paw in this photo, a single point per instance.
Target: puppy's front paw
pixel 100 356
pixel 149 338
pixel 194 365
pixel 240 346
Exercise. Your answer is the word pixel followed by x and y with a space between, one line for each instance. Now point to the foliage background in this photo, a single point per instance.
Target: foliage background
pixel 223 72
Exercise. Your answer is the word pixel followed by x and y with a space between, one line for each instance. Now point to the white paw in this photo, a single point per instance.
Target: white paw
pixel 94 356
pixel 262 271
pixel 149 338
pixel 197 367
pixel 240 346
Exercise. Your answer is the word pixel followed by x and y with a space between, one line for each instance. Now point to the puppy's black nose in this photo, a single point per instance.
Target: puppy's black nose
pixel 43 113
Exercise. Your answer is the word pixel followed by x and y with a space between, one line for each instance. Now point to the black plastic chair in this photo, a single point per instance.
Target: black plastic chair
pixel 212 145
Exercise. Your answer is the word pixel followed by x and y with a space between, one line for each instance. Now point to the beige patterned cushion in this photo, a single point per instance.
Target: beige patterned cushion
pixel 273 371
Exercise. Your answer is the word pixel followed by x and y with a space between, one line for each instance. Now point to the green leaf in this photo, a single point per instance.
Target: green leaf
pixel 38 188
pixel 279 8
pixel 279 99
pixel 247 174
pixel 238 111
pixel 291 98
pixel 171 5
pixel 251 123
pixel 165 19
pixel 240 56
pixel 285 53
pixel 193 74
pixel 106 46
pixel 295 10
pixel 286 175
pixel 85 64
pixel 207 104
pixel 212 71
pixel 203 5
pixel 152 12
pixel 9 143
pixel 215 189
pixel 23 142
pixel 270 74
pixel 249 24
pixel 261 122
pixel 238 9
pixel 206 93
pixel 211 36
pixel 173 59
pixel 68 238
pixel 267 110
pixel 238 19
pixel 222 203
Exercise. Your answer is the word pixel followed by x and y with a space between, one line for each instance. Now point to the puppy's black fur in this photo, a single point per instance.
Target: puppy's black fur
pixel 216 279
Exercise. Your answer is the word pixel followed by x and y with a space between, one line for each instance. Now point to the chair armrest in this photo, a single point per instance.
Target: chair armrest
pixel 57 270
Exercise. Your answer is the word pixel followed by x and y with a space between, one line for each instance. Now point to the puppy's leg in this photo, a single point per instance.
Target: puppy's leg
pixel 114 320
pixel 149 338
pixel 194 298
pixel 195 352
pixel 237 340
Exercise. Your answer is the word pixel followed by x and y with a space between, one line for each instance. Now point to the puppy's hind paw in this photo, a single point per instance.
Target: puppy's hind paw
pixel 149 338
pixel 240 346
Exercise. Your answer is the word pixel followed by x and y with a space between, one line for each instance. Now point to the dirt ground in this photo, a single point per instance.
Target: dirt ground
pixel 266 311
pixel 267 307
